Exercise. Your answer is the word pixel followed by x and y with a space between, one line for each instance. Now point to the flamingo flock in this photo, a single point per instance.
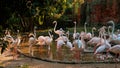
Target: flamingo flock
pixel 105 43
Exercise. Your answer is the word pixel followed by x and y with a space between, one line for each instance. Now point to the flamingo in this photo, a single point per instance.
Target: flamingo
pixel 45 40
pixel 59 32
pixel 87 35
pixel 79 46
pixel 115 50
pixel 102 47
pixel 64 40
pixel 49 39
pixel 69 44
pixel 13 43
pixel 74 34
pixel 32 41
pixel 61 41
pixel 113 36
pixel 97 40
pixel 114 39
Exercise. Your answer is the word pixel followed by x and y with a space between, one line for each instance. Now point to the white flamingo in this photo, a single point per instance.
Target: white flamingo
pixel 13 43
pixel 114 39
pixel 61 41
pixel 78 46
pixel 96 41
pixel 87 35
pixel 74 34
pixel 116 50
pixel 59 32
pixel 113 36
pixel 31 41
pixel 64 40
pixel 69 44
pixel 45 40
pixel 49 39
pixel 41 40
pixel 102 48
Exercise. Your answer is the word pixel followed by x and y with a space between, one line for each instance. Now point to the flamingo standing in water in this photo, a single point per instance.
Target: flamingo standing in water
pixel 87 35
pixel 112 36
pixel 59 32
pixel 96 41
pixel 102 48
pixel 115 50
pixel 49 39
pixel 45 40
pixel 114 39
pixel 74 34
pixel 32 41
pixel 64 40
pixel 79 47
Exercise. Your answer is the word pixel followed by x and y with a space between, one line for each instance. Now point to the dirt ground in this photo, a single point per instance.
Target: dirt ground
pixel 25 62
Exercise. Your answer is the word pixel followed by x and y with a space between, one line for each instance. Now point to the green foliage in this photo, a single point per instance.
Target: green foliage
pixel 53 9
pixel 13 22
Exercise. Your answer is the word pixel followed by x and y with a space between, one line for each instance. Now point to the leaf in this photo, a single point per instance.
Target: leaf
pixel 41 19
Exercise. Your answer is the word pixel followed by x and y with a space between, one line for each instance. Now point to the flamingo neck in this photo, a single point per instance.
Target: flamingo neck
pixel 108 30
pixel 92 32
pixel 75 28
pixel 55 26
pixel 50 34
pixel 85 28
pixel 113 29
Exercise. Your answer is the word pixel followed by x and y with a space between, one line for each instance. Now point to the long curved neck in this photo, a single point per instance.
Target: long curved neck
pixel 68 34
pixel 50 34
pixel 93 32
pixel 55 26
pixel 35 33
pixel 85 27
pixel 113 28
pixel 75 28
pixel 109 30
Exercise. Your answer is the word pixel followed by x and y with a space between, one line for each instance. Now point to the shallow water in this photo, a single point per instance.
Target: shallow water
pixel 65 55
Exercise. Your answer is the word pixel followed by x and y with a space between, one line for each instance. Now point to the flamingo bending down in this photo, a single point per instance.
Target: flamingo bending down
pixel 45 40
pixel 63 40
pixel 102 48
pixel 115 50
pixel 97 41
pixel 69 44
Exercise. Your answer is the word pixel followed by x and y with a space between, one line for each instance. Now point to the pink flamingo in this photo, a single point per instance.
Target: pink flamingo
pixel 59 32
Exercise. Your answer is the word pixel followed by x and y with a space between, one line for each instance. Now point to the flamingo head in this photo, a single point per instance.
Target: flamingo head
pixel 94 28
pixel 54 22
pixel 111 21
pixel 85 23
pixel 31 35
pixel 109 26
pixel 74 22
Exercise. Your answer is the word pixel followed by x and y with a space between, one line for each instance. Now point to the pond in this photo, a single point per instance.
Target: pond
pixel 63 56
